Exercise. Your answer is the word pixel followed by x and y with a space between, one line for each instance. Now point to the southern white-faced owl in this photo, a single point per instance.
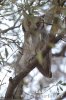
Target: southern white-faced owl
pixel 35 38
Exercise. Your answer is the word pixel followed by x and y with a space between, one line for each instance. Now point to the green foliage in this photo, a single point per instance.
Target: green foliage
pixel 1 59
pixel 64 84
pixel 6 52
pixel 61 88
pixel 14 10
pixel 11 14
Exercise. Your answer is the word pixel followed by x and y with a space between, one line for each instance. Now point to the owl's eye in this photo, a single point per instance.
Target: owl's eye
pixel 38 24
pixel 29 23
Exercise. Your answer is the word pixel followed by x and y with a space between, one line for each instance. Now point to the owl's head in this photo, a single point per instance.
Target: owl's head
pixel 32 23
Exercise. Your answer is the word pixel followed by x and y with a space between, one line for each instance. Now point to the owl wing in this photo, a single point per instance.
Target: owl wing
pixel 45 68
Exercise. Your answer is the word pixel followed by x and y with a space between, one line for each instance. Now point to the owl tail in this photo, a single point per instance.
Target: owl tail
pixel 45 68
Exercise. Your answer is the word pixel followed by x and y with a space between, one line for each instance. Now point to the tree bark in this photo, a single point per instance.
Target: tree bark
pixel 16 80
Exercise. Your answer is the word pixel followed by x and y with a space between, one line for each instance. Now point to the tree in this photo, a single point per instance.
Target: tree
pixel 15 11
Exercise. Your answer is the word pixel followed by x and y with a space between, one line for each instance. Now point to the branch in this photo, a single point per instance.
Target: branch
pixel 61 96
pixel 61 53
pixel 33 62
pixel 10 28
pixel 52 39
pixel 62 2
pixel 16 80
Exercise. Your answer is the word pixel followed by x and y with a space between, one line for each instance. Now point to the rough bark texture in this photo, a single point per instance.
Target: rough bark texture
pixel 16 80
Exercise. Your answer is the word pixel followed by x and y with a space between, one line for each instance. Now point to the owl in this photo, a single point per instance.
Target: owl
pixel 36 38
